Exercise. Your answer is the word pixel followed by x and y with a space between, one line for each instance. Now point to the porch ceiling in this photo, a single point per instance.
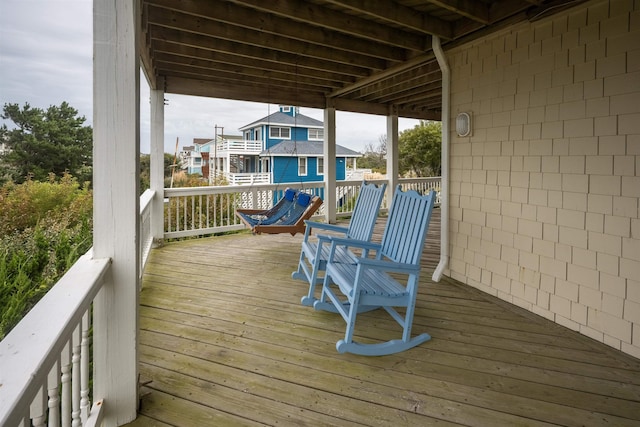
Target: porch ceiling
pixel 354 55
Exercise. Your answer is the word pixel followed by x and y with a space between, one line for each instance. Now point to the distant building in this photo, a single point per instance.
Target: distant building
pixel 285 146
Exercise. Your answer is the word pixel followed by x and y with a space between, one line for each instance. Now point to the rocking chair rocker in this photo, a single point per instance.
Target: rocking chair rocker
pixel 366 283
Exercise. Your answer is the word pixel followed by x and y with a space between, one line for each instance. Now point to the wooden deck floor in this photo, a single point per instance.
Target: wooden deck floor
pixel 225 341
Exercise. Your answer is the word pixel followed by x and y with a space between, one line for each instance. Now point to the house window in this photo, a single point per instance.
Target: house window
pixel 286 109
pixel 320 165
pixel 258 135
pixel 247 135
pixel 316 134
pixel 278 132
pixel 302 166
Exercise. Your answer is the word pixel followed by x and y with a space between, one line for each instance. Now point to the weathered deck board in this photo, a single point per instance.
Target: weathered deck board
pixel 225 341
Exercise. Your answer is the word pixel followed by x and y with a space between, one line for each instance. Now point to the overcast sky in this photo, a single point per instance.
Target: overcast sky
pixel 46 58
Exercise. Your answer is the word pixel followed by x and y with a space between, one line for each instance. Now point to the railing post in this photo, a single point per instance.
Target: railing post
pixel 392 154
pixel 329 148
pixel 157 165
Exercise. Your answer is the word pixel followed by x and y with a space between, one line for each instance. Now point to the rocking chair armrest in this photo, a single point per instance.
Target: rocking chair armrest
pixel 369 246
pixel 384 265
pixel 326 227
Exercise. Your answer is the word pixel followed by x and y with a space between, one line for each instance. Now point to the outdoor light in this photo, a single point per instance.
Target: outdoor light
pixel 463 124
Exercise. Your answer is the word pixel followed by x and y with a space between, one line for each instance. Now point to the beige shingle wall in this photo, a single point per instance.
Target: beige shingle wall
pixel 545 194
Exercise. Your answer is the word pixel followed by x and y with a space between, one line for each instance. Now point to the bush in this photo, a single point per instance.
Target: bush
pixel 44 228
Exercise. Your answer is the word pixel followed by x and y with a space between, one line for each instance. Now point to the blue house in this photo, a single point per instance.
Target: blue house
pixel 285 146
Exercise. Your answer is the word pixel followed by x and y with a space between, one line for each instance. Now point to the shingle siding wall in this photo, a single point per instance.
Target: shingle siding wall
pixel 545 193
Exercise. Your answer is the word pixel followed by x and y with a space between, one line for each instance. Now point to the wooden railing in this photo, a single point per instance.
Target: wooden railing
pixel 45 359
pixel 198 211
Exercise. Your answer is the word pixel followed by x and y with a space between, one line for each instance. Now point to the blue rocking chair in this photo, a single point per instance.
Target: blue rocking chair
pixel 314 252
pixel 366 283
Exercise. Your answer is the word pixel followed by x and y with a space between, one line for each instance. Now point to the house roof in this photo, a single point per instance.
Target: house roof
pixel 306 148
pixel 281 119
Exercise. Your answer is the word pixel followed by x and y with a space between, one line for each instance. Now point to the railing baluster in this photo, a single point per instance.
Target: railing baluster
pixel 193 212
pixel 65 410
pixel 53 392
pixel 208 211
pixel 85 404
pixel 178 213
pixel 215 210
pixel 200 211
pixel 184 213
pixel 37 409
pixel 75 377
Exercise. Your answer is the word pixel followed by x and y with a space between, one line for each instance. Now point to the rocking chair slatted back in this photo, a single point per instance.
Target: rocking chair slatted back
pixel 404 233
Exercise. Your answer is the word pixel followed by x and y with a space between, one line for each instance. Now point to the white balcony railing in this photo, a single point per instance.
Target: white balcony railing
pixel 248 178
pixel 238 147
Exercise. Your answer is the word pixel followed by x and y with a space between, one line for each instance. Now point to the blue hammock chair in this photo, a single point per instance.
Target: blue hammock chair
pixel 287 216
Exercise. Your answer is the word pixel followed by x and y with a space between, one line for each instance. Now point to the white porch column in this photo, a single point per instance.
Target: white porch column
pixel 157 165
pixel 392 154
pixel 116 122
pixel 329 150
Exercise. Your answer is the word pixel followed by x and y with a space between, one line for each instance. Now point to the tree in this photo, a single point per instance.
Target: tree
pixel 145 170
pixel 44 142
pixel 420 148
pixel 375 156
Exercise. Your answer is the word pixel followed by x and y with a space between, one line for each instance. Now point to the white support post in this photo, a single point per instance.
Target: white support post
pixel 392 154
pixel 116 202
pixel 329 150
pixel 157 165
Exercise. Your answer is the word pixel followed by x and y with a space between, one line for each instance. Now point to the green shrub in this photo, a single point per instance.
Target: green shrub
pixel 44 228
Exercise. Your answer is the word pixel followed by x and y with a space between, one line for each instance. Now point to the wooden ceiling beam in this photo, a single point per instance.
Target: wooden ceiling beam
pixel 186 85
pixel 190 53
pixel 383 75
pixel 251 52
pixel 243 17
pixel 400 15
pixel 411 78
pixel 472 9
pixel 312 14
pixel 402 95
pixel 161 18
pixel 206 68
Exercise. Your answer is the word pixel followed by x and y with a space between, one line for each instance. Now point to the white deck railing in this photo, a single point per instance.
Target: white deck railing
pixel 146 237
pixel 198 211
pixel 45 359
